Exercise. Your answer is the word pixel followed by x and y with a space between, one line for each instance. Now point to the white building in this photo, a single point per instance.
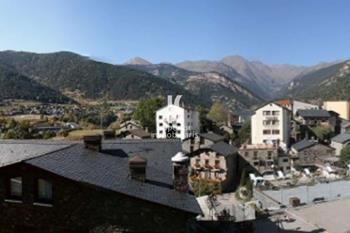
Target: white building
pixel 270 124
pixel 174 121
pixel 295 105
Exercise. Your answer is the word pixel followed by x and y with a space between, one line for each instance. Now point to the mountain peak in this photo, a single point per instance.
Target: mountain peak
pixel 137 61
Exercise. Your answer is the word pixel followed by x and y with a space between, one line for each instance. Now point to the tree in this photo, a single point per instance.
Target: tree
pixel 244 132
pixel 218 113
pixel 345 154
pixel 322 132
pixel 145 112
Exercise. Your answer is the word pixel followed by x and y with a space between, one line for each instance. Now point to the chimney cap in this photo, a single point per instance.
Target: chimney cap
pixel 180 157
pixel 137 159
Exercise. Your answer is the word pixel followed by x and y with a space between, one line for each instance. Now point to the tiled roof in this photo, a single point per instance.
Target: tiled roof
pixel 109 169
pixel 303 144
pixel 212 137
pixel 224 149
pixel 342 138
pixel 313 113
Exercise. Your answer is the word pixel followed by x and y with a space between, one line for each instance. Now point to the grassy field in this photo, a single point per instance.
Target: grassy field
pixel 79 134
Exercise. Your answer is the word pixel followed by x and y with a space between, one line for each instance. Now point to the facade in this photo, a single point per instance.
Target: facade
pixel 340 107
pixel 215 163
pixel 340 141
pixel 270 124
pixel 265 157
pixel 308 153
pixel 49 186
pixel 174 121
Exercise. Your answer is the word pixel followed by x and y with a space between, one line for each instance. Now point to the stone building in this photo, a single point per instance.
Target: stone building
pixel 201 140
pixel 264 157
pixel 217 162
pixel 50 186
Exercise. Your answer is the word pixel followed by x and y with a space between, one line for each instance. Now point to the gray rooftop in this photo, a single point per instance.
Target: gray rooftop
pixel 212 137
pixel 224 149
pixel 342 138
pixel 313 113
pixel 108 169
pixel 303 144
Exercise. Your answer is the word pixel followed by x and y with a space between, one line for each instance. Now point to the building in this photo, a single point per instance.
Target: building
pixel 340 141
pixel 201 140
pixel 340 107
pixel 129 125
pixel 313 117
pixel 270 124
pixel 344 126
pixel 132 185
pixel 137 134
pixel 295 105
pixel 174 121
pixel 265 157
pixel 309 153
pixel 216 163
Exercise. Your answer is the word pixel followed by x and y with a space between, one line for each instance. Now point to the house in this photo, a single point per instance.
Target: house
pixel 340 107
pixel 340 141
pixel 309 153
pixel 129 125
pixel 137 134
pixel 295 105
pixel 216 163
pixel 200 141
pixel 174 121
pixel 313 117
pixel 58 186
pixel 265 157
pixel 344 126
pixel 270 124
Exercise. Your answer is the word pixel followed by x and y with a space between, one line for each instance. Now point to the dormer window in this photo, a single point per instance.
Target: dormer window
pixel 15 188
pixel 44 191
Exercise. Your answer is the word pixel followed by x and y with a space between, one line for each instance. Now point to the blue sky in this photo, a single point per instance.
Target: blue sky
pixel 273 31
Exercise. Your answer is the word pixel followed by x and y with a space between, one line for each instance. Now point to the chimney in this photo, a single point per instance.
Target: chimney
pixel 109 134
pixel 137 168
pixel 177 100
pixel 93 142
pixel 180 172
pixel 170 99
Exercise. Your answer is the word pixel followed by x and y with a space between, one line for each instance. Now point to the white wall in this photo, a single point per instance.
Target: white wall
pixel 283 125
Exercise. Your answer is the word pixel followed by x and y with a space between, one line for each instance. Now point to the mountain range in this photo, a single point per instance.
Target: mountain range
pixel 238 82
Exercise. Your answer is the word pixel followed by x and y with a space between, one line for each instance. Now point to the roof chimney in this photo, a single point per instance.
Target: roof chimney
pixel 109 134
pixel 170 99
pixel 180 172
pixel 177 100
pixel 93 142
pixel 137 168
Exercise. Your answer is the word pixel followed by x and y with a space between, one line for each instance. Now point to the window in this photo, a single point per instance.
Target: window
pixel 275 113
pixel 266 131
pixel 160 124
pixel 160 117
pixel 266 113
pixel 44 194
pixel 178 124
pixel 255 155
pixel 15 188
pixel 246 154
pixel 179 132
pixel 160 131
pixel 275 131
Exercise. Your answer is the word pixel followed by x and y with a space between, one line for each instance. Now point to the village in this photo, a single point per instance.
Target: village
pixel 296 155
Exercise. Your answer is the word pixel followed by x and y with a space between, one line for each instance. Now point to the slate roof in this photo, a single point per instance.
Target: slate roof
pixel 224 149
pixel 109 169
pixel 140 133
pixel 212 137
pixel 313 113
pixel 303 144
pixel 342 138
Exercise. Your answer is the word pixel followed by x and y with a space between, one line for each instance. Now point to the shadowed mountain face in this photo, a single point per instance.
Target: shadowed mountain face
pixel 65 71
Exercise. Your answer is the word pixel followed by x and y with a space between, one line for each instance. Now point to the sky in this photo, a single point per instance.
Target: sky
pixel 301 32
